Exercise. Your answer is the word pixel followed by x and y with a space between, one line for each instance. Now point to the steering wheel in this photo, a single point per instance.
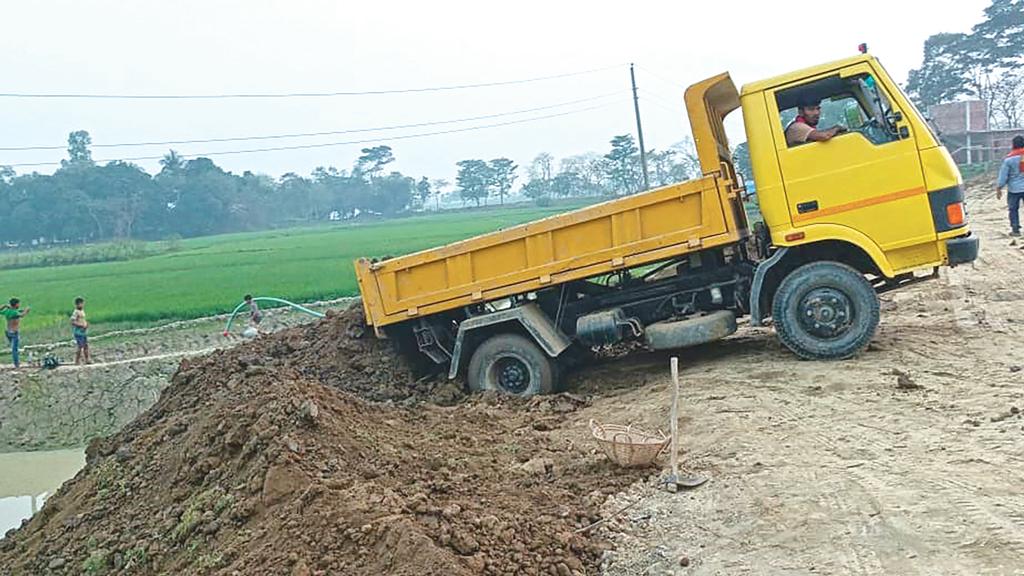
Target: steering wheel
pixel 873 131
pixel 868 124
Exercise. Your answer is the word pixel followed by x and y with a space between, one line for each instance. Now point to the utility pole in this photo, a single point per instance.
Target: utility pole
pixel 967 130
pixel 639 128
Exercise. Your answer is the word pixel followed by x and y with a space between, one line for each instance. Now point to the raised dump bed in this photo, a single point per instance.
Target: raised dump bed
pixel 643 228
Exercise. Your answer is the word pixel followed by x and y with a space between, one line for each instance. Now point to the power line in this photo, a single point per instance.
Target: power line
pixel 331 144
pixel 314 134
pixel 658 104
pixel 662 78
pixel 665 100
pixel 303 94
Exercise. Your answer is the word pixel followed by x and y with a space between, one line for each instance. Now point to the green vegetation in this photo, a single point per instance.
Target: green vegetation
pixel 209 275
pixel 209 561
pixel 135 560
pixel 983 64
pixel 192 515
pixel 87 254
pixel 980 169
pixel 97 563
pixel 110 480
pixel 186 524
pixel 85 202
pixel 223 503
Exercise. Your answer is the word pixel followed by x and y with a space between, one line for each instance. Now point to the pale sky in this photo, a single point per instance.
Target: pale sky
pixel 211 47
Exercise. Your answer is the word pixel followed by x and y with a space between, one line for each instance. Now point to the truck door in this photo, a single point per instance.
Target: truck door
pixel 868 178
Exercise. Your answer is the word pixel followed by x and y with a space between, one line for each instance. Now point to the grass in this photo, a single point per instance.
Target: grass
pixel 205 276
pixel 979 170
pixel 135 560
pixel 96 564
pixel 110 480
pixel 63 255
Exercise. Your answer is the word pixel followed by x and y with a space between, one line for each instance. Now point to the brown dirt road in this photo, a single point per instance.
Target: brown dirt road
pixel 835 468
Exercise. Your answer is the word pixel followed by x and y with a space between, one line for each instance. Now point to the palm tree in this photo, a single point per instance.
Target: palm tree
pixel 172 162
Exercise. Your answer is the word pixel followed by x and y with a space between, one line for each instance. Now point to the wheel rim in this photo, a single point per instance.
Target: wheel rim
pixel 511 374
pixel 826 312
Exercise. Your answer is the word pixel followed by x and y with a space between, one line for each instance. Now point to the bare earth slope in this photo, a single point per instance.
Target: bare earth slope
pixel 250 464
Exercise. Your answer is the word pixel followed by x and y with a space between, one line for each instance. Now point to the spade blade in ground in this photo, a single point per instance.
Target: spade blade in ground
pixel 685 482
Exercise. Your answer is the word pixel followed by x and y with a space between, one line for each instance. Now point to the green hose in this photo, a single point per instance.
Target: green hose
pixel 300 308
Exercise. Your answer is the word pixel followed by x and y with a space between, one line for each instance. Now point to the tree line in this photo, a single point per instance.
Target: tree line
pixel 986 63
pixel 84 201
pixel 618 172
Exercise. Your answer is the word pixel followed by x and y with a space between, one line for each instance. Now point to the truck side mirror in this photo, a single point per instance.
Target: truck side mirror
pixel 897 116
pixel 904 132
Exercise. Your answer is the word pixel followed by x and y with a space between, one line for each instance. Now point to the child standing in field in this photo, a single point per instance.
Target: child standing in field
pixel 255 316
pixel 79 329
pixel 13 313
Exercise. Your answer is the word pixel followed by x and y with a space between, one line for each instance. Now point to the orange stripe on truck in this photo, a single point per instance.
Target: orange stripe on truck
pixel 863 203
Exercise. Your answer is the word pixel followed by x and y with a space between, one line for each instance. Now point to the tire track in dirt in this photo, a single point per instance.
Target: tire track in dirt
pixel 870 484
pixel 841 504
pixel 983 512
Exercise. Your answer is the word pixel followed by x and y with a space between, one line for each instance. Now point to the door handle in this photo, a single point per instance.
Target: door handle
pixel 805 207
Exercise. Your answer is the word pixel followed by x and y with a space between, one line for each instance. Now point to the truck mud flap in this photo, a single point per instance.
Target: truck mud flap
pixel 755 290
pixel 543 331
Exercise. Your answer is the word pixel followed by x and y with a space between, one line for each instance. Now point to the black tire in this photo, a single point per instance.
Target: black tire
pixel 512 364
pixel 825 311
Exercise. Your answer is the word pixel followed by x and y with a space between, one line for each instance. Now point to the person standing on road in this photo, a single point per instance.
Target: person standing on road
pixel 1011 176
pixel 13 313
pixel 79 329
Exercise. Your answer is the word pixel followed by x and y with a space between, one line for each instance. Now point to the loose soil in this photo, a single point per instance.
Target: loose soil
pixel 267 459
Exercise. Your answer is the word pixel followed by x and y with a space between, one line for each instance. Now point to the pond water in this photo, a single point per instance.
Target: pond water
pixel 27 479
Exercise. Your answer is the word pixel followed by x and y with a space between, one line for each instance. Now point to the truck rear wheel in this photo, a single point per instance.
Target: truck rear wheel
pixel 825 311
pixel 512 364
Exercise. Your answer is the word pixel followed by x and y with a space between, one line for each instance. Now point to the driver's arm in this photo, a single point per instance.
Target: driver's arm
pixel 823 135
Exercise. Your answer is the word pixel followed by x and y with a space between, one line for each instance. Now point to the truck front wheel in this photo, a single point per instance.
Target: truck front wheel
pixel 825 311
pixel 511 364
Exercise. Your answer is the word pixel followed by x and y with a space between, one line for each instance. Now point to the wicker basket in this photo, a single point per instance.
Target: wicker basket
pixel 628 446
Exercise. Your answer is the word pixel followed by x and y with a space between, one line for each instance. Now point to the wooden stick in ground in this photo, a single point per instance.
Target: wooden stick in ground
pixel 675 419
pixel 609 517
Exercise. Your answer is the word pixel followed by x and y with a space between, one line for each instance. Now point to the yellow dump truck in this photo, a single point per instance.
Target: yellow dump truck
pixel 877 207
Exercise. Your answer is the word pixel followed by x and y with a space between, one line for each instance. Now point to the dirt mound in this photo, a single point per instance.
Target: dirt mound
pixel 343 353
pixel 254 462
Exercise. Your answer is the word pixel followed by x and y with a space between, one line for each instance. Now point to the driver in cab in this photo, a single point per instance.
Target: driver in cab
pixel 804 128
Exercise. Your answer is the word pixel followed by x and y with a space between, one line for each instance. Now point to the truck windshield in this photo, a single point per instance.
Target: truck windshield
pixel 877 102
pixel 914 110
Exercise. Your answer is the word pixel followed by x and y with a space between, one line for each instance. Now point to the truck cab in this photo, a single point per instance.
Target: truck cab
pixel 886 187
pixel 883 197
